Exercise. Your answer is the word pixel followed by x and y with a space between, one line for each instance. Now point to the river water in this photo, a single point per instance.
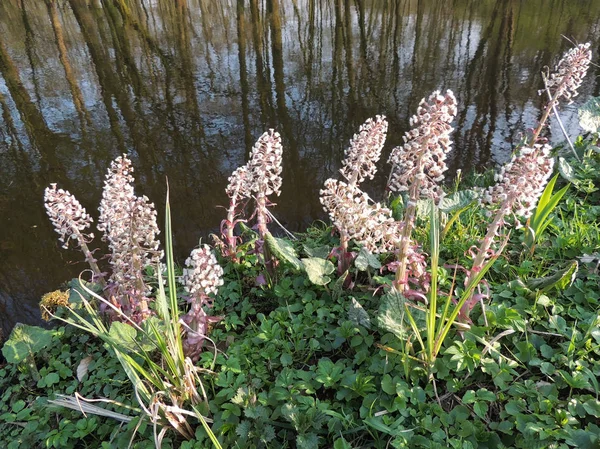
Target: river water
pixel 186 86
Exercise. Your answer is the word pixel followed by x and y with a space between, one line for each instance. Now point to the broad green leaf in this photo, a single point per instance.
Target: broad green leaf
pixel 457 201
pixel 341 443
pixel 358 315
pixel 283 250
pixel 318 270
pixel 24 341
pixel 123 335
pixel 391 314
pixel 320 251
pixel 560 280
pixel 366 259
pixel 424 209
pixel 307 441
pixel 566 170
pixel 589 115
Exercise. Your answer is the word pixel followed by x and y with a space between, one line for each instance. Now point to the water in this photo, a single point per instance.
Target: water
pixel 186 86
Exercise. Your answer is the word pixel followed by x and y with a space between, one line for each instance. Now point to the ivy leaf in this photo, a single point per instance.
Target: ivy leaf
pixel 366 259
pixel 358 315
pixel 391 314
pixel 589 115
pixel 318 270
pixel 24 341
pixel 283 250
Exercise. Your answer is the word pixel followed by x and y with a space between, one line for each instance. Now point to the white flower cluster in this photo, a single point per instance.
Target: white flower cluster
pixel 129 226
pixel 364 151
pixel 240 184
pixel 67 215
pixel 569 72
pixel 521 181
pixel 265 164
pixel 204 275
pixel 425 147
pixel 369 225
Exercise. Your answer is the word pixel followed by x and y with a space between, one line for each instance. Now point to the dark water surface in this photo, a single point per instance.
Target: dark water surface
pixel 186 86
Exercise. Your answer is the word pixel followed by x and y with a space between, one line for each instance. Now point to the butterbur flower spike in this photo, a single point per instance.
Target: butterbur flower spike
pixel 364 151
pixel 423 155
pixel 265 164
pixel 202 277
pixel 130 228
pixel 70 221
pixel 521 181
pixel 568 74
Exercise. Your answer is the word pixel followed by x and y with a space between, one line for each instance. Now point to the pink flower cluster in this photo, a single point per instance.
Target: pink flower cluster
pixel 67 215
pixel 203 274
pixel 521 181
pixel 569 73
pixel 369 225
pixel 364 151
pixel 422 157
pixel 265 164
pixel 240 184
pixel 130 228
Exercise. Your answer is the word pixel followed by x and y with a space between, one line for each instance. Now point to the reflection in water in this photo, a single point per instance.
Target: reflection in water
pixel 186 86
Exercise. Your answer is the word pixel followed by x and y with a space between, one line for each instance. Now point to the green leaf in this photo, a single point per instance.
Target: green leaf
pixel 307 441
pixel 560 280
pixel 391 314
pixel 480 409
pixel 283 250
pixel 24 341
pixel 286 359
pixel 366 259
pixel 565 170
pixel 457 201
pixel 123 335
pixel 358 315
pixel 76 290
pixel 589 115
pixel 318 270
pixel 320 251
pixel 341 443
pixel 51 379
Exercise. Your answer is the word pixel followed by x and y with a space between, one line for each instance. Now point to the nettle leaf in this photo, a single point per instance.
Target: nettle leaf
pixel 391 314
pixel 366 259
pixel 24 341
pixel 589 115
pixel 318 270
pixel 283 250
pixel 358 315
pixel 457 201
pixel 307 441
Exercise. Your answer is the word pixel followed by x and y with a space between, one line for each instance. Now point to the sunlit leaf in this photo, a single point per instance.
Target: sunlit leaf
pixel 358 315
pixel 283 250
pixel 391 314
pixel 589 115
pixel 318 270
pixel 366 259
pixel 457 201
pixel 25 340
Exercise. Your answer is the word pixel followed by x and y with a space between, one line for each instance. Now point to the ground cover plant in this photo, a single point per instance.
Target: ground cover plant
pixel 465 317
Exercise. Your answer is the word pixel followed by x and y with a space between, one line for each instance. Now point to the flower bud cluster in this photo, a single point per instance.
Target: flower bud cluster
pixel 67 215
pixel 364 151
pixel 265 164
pixel 569 73
pixel 129 226
pixel 423 155
pixel 521 181
pixel 203 274
pixel 369 225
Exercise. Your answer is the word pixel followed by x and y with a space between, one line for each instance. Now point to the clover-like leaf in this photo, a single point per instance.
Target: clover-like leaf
pixel 318 270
